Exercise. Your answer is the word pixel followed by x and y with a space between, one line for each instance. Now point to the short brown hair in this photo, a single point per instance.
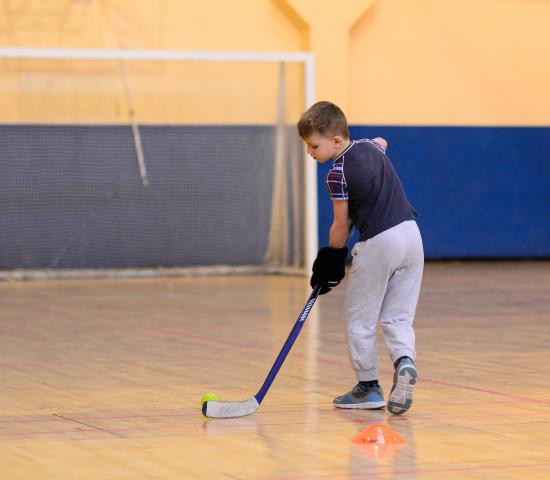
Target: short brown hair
pixel 323 118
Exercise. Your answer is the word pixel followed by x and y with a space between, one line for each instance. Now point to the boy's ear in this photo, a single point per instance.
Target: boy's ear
pixel 337 139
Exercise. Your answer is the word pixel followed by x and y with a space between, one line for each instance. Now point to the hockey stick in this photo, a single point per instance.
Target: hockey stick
pixel 224 409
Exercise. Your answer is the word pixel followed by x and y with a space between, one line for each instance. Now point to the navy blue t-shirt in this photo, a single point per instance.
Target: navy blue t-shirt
pixel 365 177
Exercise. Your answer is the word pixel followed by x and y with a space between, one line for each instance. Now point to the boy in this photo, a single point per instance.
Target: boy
pixel 388 259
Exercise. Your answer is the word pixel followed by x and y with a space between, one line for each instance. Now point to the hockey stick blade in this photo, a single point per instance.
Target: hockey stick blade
pixel 219 409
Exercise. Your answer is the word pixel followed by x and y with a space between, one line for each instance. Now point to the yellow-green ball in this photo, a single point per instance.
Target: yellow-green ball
pixel 208 397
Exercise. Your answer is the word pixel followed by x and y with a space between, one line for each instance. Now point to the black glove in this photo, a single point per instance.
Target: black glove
pixel 329 268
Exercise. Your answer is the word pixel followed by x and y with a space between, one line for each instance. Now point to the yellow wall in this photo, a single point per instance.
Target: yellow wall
pixel 154 24
pixel 472 62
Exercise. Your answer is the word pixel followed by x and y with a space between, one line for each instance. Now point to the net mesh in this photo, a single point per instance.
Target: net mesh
pixel 216 147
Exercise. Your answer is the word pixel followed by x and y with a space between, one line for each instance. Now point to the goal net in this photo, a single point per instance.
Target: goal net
pixel 119 160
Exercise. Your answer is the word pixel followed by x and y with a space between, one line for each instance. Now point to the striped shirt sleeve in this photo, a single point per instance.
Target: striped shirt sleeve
pixel 372 142
pixel 336 182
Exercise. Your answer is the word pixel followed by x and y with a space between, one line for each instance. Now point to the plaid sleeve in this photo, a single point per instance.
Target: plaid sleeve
pixel 372 142
pixel 336 183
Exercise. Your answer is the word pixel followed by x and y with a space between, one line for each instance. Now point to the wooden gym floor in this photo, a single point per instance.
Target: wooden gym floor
pixel 103 380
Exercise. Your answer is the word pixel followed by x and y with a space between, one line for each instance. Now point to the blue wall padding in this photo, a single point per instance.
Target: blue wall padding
pixel 482 192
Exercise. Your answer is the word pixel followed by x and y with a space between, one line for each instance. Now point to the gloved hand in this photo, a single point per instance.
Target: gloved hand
pixel 329 268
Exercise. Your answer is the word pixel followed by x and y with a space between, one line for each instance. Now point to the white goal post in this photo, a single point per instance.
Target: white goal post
pixel 306 59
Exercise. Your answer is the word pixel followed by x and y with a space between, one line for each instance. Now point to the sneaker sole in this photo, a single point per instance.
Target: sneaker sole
pixel 364 406
pixel 401 395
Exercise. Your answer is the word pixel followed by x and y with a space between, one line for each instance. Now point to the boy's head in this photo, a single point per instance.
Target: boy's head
pixel 324 129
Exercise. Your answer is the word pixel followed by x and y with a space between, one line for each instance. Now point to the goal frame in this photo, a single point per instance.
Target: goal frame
pixel 310 227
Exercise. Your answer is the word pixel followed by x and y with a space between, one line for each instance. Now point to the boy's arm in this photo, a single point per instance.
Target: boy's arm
pixel 329 267
pixel 339 229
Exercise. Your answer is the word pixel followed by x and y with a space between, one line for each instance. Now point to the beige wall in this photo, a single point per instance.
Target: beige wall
pixel 480 62
pixel 473 62
pixel 154 24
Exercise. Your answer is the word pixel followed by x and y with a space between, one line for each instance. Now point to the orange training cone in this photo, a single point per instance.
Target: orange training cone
pixel 379 434
pixel 379 442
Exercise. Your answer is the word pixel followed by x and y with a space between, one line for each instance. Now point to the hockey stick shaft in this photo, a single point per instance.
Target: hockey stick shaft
pixel 224 409
pixel 288 344
pixel 291 339
pixel 219 409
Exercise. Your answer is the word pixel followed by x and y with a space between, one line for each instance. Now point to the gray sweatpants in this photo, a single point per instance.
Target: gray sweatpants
pixel 383 285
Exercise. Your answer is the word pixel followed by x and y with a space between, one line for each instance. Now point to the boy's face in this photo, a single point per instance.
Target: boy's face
pixel 323 147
